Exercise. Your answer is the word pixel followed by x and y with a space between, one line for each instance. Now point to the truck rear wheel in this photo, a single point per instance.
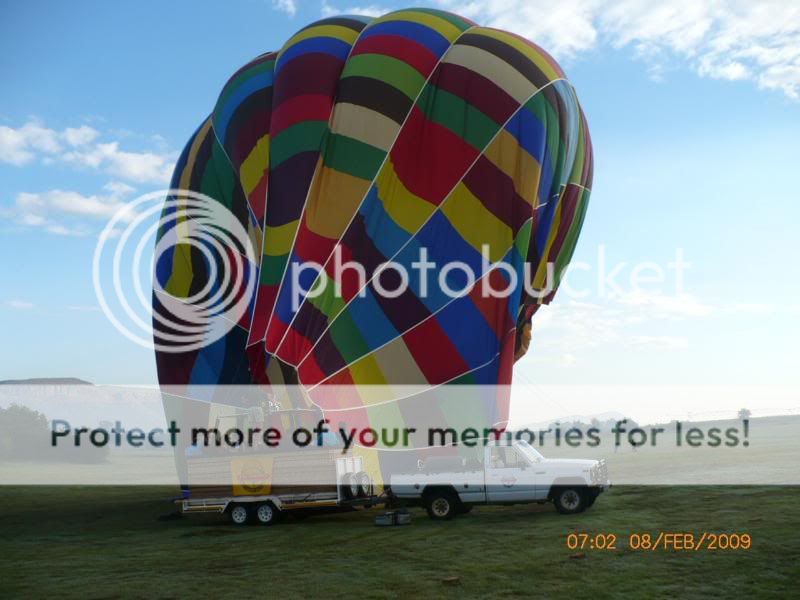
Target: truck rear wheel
pixel 266 513
pixel 239 514
pixel 441 505
pixel 570 500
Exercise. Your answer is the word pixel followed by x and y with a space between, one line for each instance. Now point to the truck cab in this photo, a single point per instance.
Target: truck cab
pixel 510 473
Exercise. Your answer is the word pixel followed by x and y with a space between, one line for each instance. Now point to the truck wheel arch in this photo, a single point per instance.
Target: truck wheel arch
pixel 434 489
pixel 559 484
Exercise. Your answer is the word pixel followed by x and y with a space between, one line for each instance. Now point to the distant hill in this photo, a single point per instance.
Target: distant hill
pixel 568 420
pixel 46 381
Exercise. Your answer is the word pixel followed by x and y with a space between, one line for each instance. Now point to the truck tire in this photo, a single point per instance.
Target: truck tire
pixel 442 505
pixel 570 500
pixel 266 513
pixel 239 514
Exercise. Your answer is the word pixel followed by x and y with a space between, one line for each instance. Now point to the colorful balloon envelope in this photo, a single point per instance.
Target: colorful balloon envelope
pixel 369 141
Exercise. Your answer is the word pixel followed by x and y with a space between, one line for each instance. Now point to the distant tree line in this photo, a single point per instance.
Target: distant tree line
pixel 25 435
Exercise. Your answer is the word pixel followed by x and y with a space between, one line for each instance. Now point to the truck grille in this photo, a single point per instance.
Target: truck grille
pixel 602 472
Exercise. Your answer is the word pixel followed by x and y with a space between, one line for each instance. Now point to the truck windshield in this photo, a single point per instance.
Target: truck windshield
pixel 532 453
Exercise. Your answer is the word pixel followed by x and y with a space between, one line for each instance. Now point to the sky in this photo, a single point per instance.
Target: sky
pixel 694 110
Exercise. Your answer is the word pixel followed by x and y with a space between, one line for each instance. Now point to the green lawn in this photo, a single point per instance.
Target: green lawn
pixel 108 542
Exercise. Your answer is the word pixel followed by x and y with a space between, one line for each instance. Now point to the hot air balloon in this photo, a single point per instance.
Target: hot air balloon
pixel 373 140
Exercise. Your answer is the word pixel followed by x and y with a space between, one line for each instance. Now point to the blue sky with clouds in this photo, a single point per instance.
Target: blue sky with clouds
pixel 693 109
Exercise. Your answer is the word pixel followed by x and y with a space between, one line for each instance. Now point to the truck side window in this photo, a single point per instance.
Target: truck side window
pixel 498 457
pixel 506 458
pixel 517 460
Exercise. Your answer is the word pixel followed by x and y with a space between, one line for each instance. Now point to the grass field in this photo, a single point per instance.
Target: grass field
pixel 108 542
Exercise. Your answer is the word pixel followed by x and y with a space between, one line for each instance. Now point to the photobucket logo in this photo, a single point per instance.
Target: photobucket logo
pixel 392 279
pixel 194 255
pixel 427 278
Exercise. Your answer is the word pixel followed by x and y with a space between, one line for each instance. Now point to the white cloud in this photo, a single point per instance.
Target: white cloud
pixel 678 24
pixel 119 189
pixel 563 28
pixel 80 136
pixel 752 40
pixel 31 219
pixel 575 326
pixel 629 320
pixel 371 10
pixel 109 234
pixel 33 140
pixel 661 306
pixel 732 71
pixel 142 167
pixel 46 210
pixel 19 304
pixel 287 6
pixel 67 202
pixel 642 321
pixel 20 146
pixel 59 229
pixel 568 359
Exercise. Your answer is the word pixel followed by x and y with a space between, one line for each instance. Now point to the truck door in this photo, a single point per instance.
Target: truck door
pixel 509 476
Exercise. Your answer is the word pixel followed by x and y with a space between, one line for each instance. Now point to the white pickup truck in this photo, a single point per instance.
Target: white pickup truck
pixel 510 474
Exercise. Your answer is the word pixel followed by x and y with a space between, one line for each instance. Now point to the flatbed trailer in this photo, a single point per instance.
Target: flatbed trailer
pixel 265 509
pixel 354 489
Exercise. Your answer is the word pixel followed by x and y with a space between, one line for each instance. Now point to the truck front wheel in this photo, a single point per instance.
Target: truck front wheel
pixel 570 500
pixel 441 505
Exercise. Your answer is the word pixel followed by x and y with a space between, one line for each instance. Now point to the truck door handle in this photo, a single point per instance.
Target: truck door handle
pixel 540 472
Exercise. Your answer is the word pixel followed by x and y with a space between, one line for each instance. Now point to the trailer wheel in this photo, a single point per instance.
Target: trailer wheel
pixel 442 505
pixel 239 514
pixel 266 513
